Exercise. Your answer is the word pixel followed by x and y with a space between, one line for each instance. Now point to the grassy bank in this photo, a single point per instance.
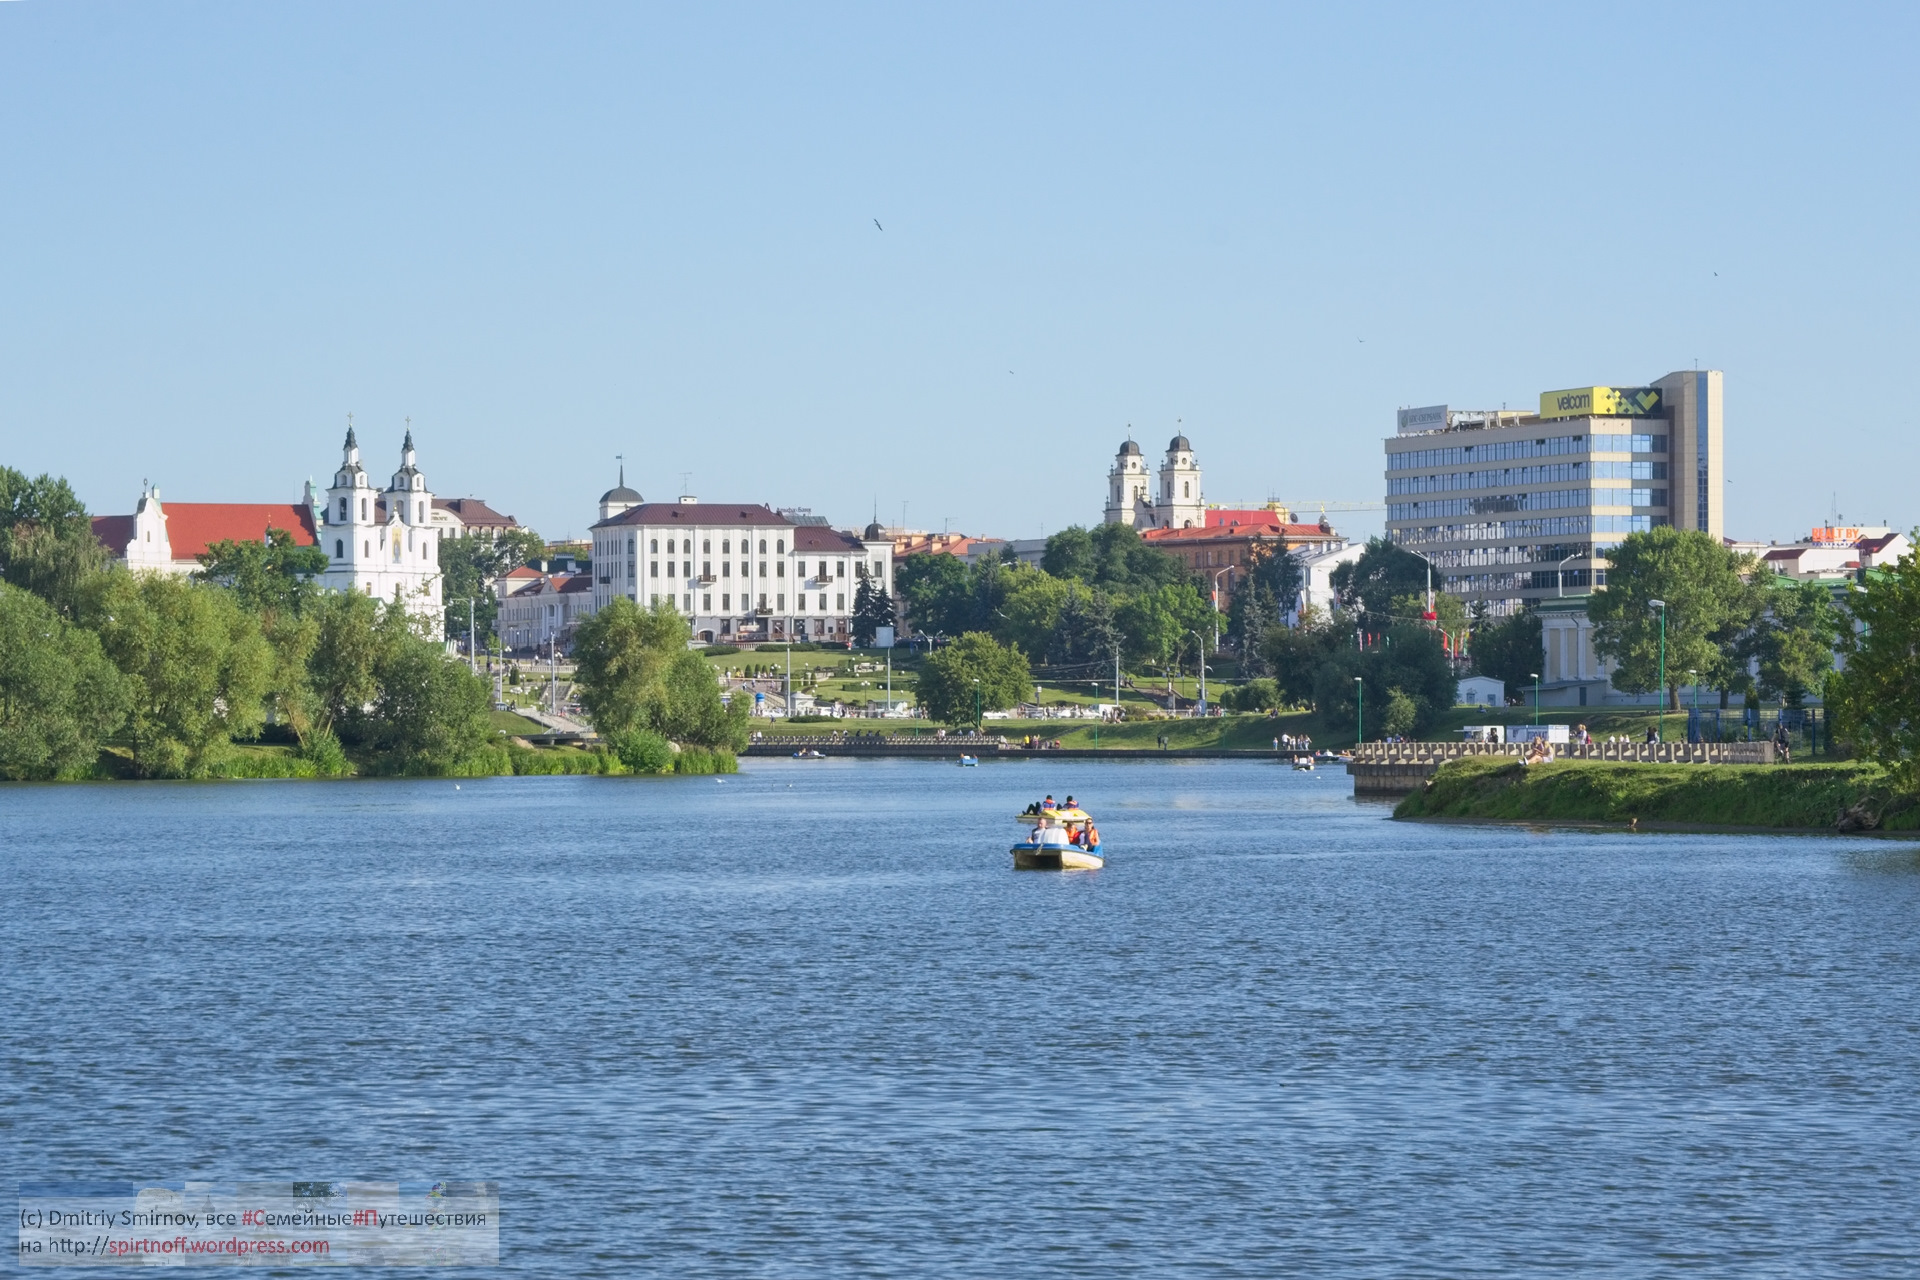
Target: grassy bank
pixel 1846 796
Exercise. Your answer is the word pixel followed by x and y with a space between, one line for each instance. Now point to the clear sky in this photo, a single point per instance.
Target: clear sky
pixel 946 256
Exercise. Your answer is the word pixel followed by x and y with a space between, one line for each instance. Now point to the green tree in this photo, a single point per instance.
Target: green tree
pixel 1084 635
pixel 1070 554
pixel 621 656
pixel 197 663
pixel 468 569
pixel 1409 660
pixel 47 544
pixel 1793 642
pixel 872 609
pixel 1875 697
pixel 688 707
pixel 1509 649
pixel 1709 605
pixel 1111 556
pixel 275 579
pixel 1370 585
pixel 1156 622
pixel 1031 601
pixel 937 593
pixel 1295 654
pixel 976 661
pixel 266 576
pixel 59 696
pixel 343 667
pixel 430 716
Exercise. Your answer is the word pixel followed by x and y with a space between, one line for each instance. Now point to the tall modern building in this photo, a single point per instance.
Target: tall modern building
pixel 1511 506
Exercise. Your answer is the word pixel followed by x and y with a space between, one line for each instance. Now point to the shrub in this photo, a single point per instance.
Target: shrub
pixel 323 751
pixel 643 751
pixel 720 650
pixel 705 760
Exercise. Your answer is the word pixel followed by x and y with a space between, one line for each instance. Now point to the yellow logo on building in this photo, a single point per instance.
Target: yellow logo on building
pixel 1601 402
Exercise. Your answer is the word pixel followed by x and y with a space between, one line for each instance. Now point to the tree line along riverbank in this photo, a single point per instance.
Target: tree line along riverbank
pixel 1848 796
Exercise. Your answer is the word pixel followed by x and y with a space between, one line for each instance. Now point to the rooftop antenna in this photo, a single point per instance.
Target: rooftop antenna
pixel 686 478
pixel 621 458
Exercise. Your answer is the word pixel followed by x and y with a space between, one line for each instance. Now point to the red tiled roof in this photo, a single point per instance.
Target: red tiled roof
pixel 711 514
pixel 475 513
pixel 194 526
pixel 817 537
pixel 1299 532
pixel 524 572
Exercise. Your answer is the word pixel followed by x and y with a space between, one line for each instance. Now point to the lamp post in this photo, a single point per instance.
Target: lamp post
pixel 1202 644
pixel 1359 711
pixel 1693 678
pixel 1536 697
pixel 976 705
pixel 1560 575
pixel 1660 607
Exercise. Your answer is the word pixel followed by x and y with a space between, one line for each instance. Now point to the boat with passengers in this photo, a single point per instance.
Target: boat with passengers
pixel 1063 839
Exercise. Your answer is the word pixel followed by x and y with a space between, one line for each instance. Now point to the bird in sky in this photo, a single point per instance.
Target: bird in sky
pixel 876 222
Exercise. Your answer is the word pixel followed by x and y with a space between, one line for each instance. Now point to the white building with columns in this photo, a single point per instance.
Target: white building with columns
pixel 382 542
pixel 1173 500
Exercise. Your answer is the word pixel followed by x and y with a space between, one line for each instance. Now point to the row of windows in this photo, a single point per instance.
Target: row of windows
pixel 1551 473
pixel 800 602
pixel 1545 527
pixel 1421 459
pixel 366 549
pixel 1549 553
pixel 419 514
pixel 1540 500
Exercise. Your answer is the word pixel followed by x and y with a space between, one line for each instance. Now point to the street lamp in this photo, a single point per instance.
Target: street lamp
pixel 1660 606
pixel 976 705
pixel 1359 711
pixel 1693 678
pixel 1536 697
pixel 1560 574
pixel 1203 668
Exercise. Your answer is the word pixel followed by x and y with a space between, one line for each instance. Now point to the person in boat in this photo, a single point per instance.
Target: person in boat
pixel 1048 802
pixel 1068 804
pixel 1089 837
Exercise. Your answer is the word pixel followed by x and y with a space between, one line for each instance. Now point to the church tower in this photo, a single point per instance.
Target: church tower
pixel 1180 504
pixel 1128 499
pixel 349 518
pixel 411 548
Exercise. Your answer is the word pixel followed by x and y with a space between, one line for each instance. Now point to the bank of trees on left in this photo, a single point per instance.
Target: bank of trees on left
pixel 176 669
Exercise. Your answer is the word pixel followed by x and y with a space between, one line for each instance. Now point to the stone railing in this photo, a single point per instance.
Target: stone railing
pixel 1437 753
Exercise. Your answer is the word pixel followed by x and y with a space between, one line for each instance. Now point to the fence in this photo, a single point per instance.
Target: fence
pixel 1436 753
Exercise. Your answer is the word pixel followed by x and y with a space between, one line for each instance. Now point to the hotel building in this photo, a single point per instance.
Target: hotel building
pixel 1510 506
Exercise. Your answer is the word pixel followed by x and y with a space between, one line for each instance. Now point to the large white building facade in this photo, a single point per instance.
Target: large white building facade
pixel 382 542
pixel 738 572
pixel 1173 500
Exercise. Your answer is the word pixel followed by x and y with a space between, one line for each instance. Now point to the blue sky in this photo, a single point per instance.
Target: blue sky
pixel 551 234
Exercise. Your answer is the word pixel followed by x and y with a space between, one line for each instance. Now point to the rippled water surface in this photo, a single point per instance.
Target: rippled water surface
pixel 807 1021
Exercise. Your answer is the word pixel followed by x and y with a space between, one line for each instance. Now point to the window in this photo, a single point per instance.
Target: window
pixel 779 568
pixel 706 568
pixel 839 601
pixel 763 549
pixel 339 548
pixel 763 568
pixel 706 602
pixel 631 566
pixel 839 568
pixel 763 599
pixel 783 601
pixel 1186 489
pixel 366 547
pixel 669 546
pixel 726 567
pixel 653 544
pixel 343 508
pixel 706 545
pixel 363 508
pixel 780 546
pixel 420 508
pixel 630 546
pixel 653 568
pixel 726 546
pixel 726 602
pixel 686 568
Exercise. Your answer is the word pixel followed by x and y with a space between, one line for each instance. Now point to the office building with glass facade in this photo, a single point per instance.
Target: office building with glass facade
pixel 1511 506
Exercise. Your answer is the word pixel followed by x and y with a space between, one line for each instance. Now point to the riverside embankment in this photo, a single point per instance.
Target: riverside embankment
pixel 1848 796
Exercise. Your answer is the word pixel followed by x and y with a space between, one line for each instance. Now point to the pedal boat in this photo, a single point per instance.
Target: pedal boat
pixel 1048 849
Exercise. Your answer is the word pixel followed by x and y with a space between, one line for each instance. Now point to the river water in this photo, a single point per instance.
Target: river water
pixel 806 1021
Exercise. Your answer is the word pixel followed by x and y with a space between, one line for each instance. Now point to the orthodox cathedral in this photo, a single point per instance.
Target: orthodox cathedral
pixel 1173 502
